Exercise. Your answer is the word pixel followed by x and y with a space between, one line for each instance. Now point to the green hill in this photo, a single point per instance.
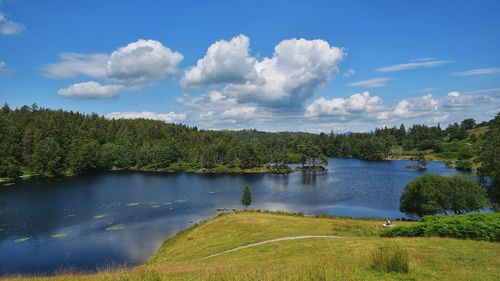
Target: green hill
pixel 198 253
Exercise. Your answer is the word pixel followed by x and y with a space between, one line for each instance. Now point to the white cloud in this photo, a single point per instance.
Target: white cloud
pixel 298 67
pixel 349 73
pixel 294 72
pixel 91 90
pixel 75 64
pixel 215 109
pixel 457 101
pixel 356 104
pixel 5 70
pixel 244 112
pixel 371 83
pixel 169 117
pixel 358 112
pixel 130 67
pixel 9 27
pixel 411 108
pixel 478 71
pixel 224 62
pixel 141 62
pixel 421 63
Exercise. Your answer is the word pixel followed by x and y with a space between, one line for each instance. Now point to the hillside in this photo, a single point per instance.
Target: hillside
pixel 346 256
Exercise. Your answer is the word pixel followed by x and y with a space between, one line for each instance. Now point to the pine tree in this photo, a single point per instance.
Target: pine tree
pixel 246 199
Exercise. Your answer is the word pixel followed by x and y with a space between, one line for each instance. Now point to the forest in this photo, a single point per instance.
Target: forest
pixel 45 142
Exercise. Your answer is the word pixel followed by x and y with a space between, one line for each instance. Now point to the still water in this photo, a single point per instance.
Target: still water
pixel 90 221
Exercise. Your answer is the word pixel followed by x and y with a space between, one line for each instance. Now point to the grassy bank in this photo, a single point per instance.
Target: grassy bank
pixel 348 257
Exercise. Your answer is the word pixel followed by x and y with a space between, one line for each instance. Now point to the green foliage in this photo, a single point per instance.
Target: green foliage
pixel 489 157
pixel 468 226
pixel 9 167
pixel 422 162
pixel 424 195
pixel 465 165
pixel 46 142
pixel 246 199
pixel 47 158
pixel 464 195
pixel 432 194
pixel 390 257
pixel 51 143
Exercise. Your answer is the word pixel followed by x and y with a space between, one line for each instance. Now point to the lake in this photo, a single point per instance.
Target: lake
pixel 91 221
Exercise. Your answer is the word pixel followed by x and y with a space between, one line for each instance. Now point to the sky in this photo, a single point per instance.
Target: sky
pixel 311 66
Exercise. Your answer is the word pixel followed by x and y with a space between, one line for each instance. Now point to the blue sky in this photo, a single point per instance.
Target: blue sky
pixel 285 65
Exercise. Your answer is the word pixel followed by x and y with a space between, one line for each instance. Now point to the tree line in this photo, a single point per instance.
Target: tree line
pixel 47 142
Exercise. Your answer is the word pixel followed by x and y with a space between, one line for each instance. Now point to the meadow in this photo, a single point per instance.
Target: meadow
pixel 347 255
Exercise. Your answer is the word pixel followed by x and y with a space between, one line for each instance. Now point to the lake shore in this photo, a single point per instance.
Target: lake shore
pixel 329 246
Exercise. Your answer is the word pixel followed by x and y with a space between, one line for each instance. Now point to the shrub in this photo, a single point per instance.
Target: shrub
pixel 471 226
pixel 389 257
pixel 465 165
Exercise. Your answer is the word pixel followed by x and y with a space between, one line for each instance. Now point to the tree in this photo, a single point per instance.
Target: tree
pixel 83 156
pixel 246 199
pixel 489 157
pixel 468 124
pixel 432 194
pixel 422 162
pixel 9 167
pixel 47 158
pixel 113 156
pixel 465 195
pixel 424 195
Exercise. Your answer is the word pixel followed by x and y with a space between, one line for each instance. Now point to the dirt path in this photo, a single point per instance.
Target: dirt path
pixel 269 241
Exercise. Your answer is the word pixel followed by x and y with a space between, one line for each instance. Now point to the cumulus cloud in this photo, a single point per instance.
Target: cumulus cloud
pixel 245 112
pixel 457 101
pixel 367 108
pixel 422 63
pixel 75 64
pixel 127 68
pixel 142 62
pixel 478 71
pixel 371 83
pixel 5 70
pixel 224 62
pixel 9 27
pixel 90 90
pixel 362 103
pixel 357 112
pixel 216 109
pixel 169 117
pixel 294 72
pixel 410 108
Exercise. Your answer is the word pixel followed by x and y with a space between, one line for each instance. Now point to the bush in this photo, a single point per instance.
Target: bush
pixel 432 194
pixel 390 258
pixel 471 226
pixel 465 165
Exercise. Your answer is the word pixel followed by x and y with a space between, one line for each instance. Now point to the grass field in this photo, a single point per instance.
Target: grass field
pixel 347 257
